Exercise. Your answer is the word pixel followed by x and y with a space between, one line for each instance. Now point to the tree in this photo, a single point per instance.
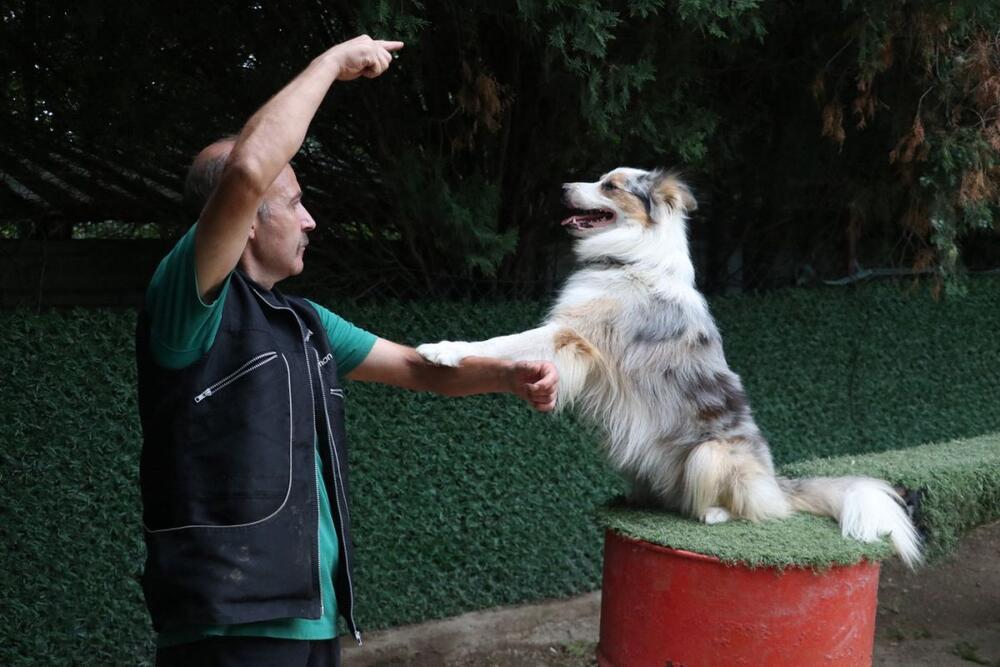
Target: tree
pixel 820 138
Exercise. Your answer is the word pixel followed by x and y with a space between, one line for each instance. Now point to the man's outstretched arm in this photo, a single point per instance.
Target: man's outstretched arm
pixel 389 363
pixel 265 145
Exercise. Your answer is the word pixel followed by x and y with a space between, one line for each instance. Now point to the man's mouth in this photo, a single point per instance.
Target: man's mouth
pixel 589 219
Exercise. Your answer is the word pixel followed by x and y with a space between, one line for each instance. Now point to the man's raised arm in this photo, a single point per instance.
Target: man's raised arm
pixel 264 146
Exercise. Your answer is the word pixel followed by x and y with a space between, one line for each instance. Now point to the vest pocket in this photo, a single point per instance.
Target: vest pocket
pixel 245 369
pixel 230 464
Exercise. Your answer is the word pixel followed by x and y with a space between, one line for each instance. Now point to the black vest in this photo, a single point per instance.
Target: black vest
pixel 228 468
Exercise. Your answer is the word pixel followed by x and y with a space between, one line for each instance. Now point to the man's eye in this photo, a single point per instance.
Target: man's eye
pixel 608 186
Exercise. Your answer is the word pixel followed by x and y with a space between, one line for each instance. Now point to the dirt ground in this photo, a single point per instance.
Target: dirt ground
pixel 939 616
pixel 944 615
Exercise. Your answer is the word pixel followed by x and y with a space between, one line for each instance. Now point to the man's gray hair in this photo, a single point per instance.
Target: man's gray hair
pixel 202 178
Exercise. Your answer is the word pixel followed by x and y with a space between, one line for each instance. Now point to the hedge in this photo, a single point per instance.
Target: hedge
pixel 458 503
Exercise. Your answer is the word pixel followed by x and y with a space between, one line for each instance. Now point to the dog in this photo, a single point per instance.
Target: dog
pixel 639 353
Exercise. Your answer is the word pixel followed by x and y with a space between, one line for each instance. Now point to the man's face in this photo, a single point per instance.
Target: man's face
pixel 280 241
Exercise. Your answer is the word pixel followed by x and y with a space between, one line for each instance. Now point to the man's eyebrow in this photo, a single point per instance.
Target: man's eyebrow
pixel 296 197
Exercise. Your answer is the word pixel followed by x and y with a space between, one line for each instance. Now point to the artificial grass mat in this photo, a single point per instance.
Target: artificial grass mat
pixel 957 485
pixel 799 541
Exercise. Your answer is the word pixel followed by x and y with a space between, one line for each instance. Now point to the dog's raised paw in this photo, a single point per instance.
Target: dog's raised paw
pixel 445 353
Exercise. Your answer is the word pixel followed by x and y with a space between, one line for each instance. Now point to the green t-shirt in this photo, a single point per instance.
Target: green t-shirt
pixel 182 329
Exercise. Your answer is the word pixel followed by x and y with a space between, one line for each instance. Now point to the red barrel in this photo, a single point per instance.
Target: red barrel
pixel 664 607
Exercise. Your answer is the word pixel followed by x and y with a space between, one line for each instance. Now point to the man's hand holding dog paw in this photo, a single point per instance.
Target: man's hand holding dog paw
pixel 446 353
pixel 457 370
pixel 537 383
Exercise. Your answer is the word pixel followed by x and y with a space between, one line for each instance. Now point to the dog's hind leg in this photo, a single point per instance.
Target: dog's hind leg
pixel 754 491
pixel 706 476
pixel 716 515
pixel 724 478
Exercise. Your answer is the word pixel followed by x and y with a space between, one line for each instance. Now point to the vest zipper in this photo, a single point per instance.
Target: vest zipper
pixel 336 492
pixel 306 334
pixel 319 552
pixel 248 367
pixel 316 471
pixel 312 398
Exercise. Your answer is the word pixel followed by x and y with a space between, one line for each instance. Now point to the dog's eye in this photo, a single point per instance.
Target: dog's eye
pixel 609 186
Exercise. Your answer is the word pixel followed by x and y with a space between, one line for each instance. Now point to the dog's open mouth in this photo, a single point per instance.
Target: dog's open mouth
pixel 589 219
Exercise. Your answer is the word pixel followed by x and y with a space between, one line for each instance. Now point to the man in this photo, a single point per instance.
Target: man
pixel 243 469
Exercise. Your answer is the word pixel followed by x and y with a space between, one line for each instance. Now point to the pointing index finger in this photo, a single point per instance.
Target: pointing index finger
pixel 390 45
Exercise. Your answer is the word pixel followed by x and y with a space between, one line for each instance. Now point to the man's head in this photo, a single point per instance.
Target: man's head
pixel 277 239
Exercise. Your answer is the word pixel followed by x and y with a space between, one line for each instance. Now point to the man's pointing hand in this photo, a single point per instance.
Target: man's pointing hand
pixel 363 56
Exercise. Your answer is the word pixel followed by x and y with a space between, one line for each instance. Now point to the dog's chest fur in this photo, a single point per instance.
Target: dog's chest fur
pixel 629 315
pixel 661 376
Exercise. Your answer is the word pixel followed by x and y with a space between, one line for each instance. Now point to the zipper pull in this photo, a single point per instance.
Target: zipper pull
pixel 309 334
pixel 357 637
pixel 203 395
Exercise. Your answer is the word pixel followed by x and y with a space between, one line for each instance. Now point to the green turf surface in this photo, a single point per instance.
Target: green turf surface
pixel 958 483
pixel 802 540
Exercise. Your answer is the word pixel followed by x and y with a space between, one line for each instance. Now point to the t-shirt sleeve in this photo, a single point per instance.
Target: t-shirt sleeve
pixel 350 344
pixel 182 326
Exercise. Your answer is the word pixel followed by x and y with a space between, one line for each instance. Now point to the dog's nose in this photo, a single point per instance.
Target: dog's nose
pixel 566 192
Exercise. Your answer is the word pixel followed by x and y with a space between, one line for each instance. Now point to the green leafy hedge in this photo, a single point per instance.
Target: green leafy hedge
pixel 458 503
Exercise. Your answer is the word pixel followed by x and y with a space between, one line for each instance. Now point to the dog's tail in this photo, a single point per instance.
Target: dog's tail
pixel 865 508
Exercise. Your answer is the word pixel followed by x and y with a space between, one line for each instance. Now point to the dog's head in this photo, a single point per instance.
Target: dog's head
pixel 626 198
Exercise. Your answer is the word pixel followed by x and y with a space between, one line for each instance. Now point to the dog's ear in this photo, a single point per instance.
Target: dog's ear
pixel 672 192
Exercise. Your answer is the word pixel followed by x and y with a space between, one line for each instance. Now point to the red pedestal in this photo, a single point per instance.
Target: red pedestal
pixel 668 608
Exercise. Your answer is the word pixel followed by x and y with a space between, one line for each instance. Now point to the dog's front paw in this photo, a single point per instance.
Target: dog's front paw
pixel 445 353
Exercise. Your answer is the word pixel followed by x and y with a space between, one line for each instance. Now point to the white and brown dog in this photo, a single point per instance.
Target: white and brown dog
pixel 639 353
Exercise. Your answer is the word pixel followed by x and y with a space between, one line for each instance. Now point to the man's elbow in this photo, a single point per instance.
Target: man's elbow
pixel 245 172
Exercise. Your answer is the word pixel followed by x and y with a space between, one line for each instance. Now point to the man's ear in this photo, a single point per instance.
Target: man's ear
pixel 673 193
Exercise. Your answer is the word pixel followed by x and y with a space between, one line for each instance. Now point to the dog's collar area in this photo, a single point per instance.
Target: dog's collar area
pixel 606 262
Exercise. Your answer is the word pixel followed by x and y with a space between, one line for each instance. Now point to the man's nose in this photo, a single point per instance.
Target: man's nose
pixel 308 224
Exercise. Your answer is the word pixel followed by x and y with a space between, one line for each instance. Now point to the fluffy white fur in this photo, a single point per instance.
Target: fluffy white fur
pixel 639 353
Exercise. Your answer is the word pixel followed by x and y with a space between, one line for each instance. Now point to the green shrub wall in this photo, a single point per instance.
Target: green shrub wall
pixel 458 503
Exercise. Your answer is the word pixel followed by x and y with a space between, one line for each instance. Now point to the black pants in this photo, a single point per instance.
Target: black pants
pixel 251 652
